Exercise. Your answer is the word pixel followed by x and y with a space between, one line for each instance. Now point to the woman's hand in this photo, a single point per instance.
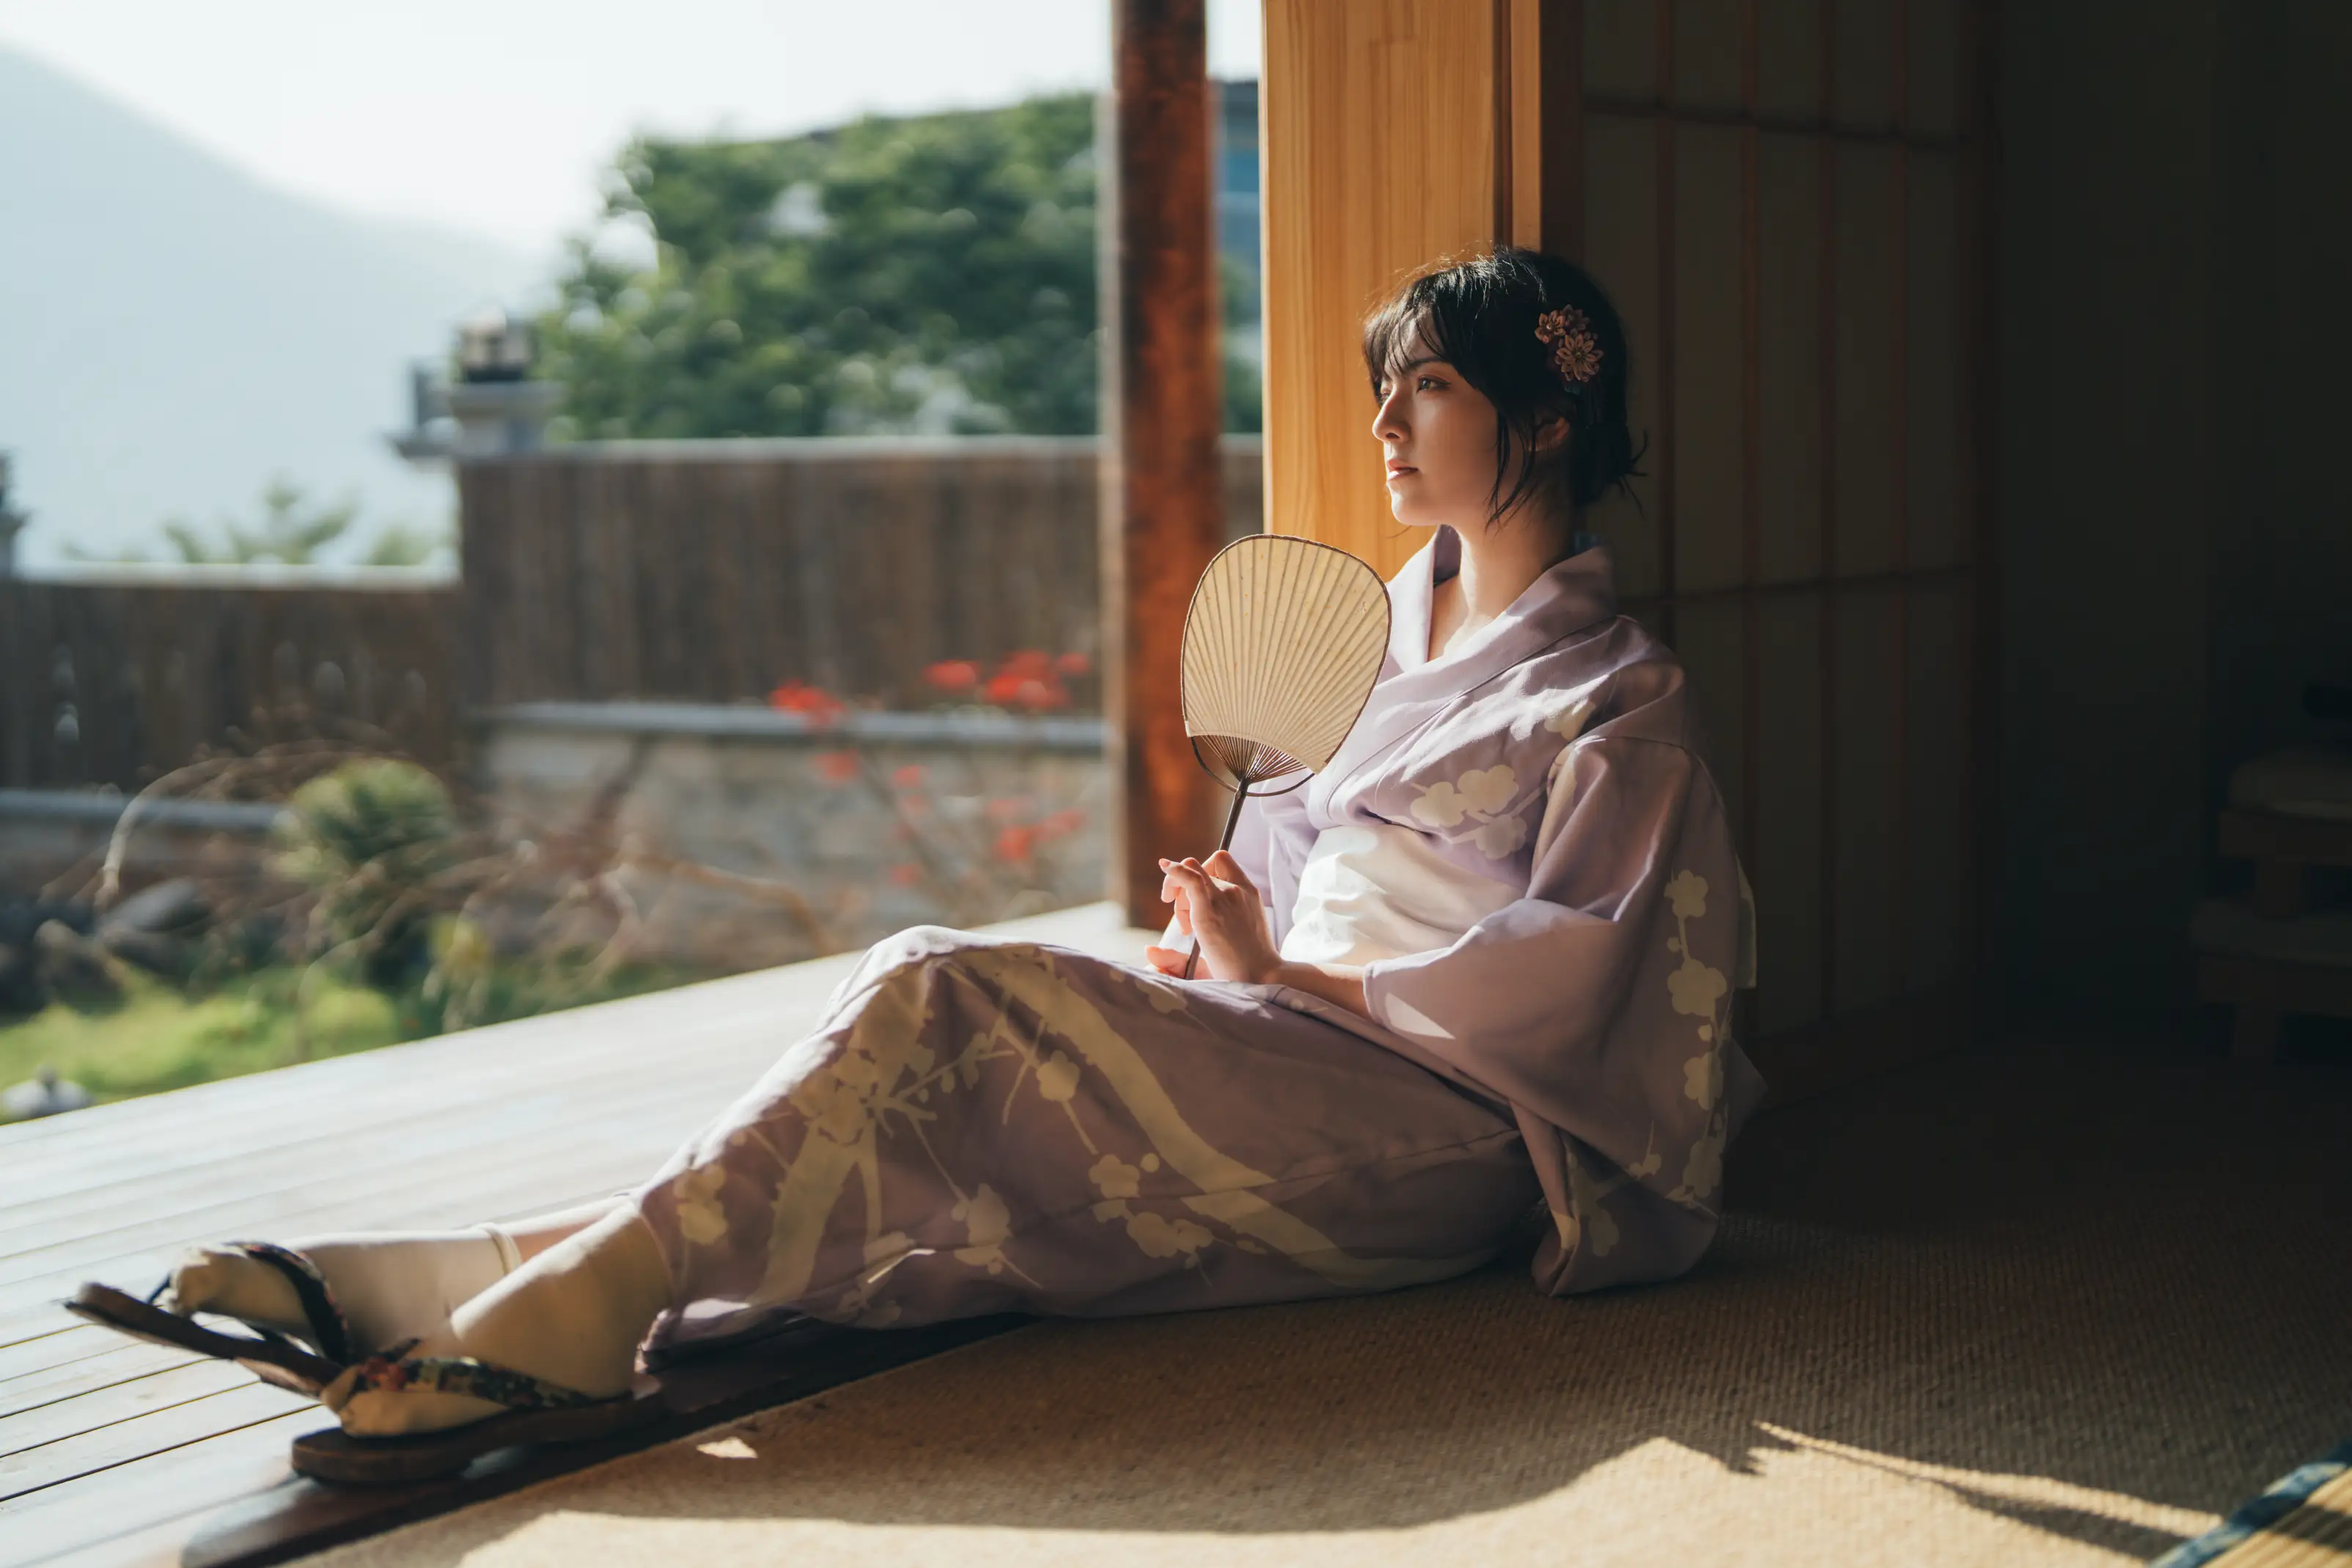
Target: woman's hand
pixel 1217 905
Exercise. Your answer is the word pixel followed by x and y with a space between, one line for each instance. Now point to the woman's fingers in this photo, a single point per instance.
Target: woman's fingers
pixel 1223 864
pixel 1198 893
pixel 1220 874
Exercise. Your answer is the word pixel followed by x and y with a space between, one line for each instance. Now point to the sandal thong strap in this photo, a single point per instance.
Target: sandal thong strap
pixel 329 1330
pixel 395 1370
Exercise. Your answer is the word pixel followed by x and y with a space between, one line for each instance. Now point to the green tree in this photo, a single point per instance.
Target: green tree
pixel 926 274
pixel 400 544
pixel 292 530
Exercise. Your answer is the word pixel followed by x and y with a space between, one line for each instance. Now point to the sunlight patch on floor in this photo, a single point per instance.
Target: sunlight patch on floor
pixel 2031 1491
pixel 1808 1502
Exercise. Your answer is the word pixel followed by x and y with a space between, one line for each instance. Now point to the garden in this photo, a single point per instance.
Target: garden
pixel 390 901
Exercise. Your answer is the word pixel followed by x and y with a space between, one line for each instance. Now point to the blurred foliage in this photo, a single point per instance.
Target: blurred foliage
pixel 471 984
pixel 292 531
pixel 403 544
pixel 370 839
pixel 932 273
pixel 163 1037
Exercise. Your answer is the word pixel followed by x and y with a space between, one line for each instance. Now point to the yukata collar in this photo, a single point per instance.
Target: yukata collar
pixel 1571 596
pixel 1574 593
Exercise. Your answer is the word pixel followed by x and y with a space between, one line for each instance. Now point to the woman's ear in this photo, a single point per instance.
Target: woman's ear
pixel 1551 432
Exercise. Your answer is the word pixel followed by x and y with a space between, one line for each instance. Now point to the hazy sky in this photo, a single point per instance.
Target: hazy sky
pixel 494 116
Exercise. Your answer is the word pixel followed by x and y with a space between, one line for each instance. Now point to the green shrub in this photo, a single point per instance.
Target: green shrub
pixel 372 839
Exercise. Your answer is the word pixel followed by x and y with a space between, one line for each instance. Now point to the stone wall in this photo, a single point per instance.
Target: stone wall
pixel 740 836
pixel 752 837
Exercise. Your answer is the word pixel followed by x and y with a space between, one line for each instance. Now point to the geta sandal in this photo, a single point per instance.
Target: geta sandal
pixel 264 1351
pixel 536 1412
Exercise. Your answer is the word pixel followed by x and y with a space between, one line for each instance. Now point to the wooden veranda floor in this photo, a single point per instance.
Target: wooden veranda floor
pixel 116 1451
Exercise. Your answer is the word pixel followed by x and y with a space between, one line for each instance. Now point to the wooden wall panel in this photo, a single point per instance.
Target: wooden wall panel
pixel 1866 882
pixel 1936 771
pixel 1785 856
pixel 1708 422
pixel 1620 48
pixel 1866 32
pixel 1620 226
pixel 1932 385
pixel 1378 138
pixel 1790 344
pixel 1789 58
pixel 1865 388
pixel 1934 45
pixel 1709 639
pixel 1707 55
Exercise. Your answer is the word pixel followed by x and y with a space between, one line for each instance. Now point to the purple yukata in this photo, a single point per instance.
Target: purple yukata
pixel 1524 848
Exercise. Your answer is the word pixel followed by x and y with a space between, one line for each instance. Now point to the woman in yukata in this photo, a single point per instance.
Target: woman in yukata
pixel 1472 981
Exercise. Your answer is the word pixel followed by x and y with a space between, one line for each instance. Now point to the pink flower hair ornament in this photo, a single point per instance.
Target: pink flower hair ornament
pixel 1575 352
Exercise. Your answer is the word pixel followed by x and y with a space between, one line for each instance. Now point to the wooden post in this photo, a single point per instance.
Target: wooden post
pixel 1163 493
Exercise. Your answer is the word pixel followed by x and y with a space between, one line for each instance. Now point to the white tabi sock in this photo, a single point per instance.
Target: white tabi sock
pixel 573 1316
pixel 390 1285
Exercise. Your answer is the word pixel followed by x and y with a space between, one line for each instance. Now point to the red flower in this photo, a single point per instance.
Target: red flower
pixel 1026 689
pixel 1014 843
pixel 906 876
pixel 953 675
pixel 819 707
pixel 910 776
pixel 1068 820
pixel 1072 665
pixel 837 766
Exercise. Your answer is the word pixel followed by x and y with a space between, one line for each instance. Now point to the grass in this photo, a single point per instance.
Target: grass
pixel 159 1037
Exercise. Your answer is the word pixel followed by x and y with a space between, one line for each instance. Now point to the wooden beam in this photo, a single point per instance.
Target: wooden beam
pixel 1163 505
pixel 1379 139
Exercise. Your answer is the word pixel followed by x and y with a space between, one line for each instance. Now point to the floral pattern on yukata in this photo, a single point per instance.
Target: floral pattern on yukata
pixel 1699 990
pixel 980 1124
pixel 1559 754
pixel 1486 797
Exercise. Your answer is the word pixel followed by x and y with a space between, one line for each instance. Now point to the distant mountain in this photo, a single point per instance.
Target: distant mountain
pixel 172 332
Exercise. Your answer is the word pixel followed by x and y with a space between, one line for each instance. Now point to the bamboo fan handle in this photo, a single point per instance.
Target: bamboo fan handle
pixel 1233 819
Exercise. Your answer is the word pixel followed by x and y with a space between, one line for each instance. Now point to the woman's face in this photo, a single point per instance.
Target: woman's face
pixel 1438 433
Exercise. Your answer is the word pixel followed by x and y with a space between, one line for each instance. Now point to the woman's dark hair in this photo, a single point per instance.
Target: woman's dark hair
pixel 1480 317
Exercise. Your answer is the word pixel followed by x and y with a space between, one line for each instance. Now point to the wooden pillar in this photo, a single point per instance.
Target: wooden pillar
pixel 1162 495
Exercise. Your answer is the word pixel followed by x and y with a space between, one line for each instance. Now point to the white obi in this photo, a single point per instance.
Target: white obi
pixel 1381 891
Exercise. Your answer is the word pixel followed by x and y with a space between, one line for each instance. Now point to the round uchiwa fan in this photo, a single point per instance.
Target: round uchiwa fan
pixel 1282 644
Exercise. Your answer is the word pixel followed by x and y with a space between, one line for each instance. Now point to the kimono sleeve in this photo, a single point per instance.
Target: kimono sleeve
pixel 1599 1007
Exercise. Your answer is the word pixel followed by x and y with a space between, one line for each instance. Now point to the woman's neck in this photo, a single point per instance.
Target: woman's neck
pixel 1498 563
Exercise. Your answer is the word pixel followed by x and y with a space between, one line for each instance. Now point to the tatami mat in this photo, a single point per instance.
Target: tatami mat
pixel 2026 1307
